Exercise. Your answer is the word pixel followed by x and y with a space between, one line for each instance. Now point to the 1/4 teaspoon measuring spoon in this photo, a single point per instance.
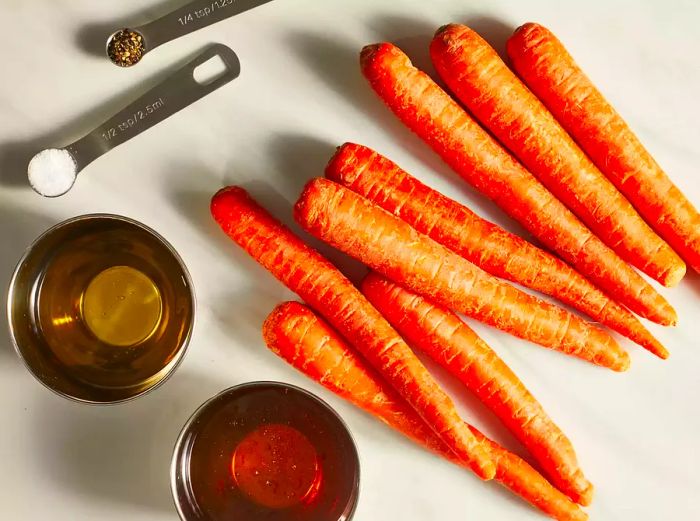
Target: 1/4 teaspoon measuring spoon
pixel 52 172
pixel 127 47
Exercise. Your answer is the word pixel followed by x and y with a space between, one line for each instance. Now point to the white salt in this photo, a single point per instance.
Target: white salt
pixel 52 172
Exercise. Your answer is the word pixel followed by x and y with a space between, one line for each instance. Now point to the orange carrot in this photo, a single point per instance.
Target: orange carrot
pixel 387 244
pixel 447 340
pixel 487 245
pixel 430 112
pixel 477 76
pixel 306 272
pixel 297 335
pixel 552 74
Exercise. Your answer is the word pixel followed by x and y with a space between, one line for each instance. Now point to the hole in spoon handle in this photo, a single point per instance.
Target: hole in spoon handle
pixel 176 92
pixel 192 17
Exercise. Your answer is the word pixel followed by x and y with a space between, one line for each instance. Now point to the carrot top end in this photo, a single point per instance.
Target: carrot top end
pixel 340 167
pixel 662 352
pixel 674 276
pixel 527 26
pixel 368 53
pixel 315 187
pixel 218 205
pixel 586 497
pixel 623 365
pixel 444 28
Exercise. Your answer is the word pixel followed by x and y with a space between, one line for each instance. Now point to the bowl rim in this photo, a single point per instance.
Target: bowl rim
pixel 184 346
pixel 187 429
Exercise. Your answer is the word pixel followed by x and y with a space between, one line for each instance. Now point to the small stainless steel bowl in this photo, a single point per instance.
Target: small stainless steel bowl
pixel 61 351
pixel 204 452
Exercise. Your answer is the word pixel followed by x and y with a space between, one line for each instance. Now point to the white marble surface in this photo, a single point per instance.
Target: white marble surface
pixel 299 95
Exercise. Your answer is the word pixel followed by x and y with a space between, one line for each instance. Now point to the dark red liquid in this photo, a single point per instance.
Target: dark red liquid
pixel 277 467
pixel 266 452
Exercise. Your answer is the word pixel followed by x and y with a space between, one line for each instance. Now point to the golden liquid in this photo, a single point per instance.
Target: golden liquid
pixel 121 306
pixel 108 311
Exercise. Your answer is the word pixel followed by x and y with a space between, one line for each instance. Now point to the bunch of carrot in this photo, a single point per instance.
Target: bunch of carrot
pixel 384 376
pixel 471 151
pixel 481 242
pixel 566 167
pixel 297 335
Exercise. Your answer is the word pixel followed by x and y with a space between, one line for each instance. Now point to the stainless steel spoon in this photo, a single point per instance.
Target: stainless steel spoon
pixel 52 172
pixel 189 18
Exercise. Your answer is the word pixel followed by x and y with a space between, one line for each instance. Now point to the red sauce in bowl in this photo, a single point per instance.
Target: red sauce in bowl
pixel 265 451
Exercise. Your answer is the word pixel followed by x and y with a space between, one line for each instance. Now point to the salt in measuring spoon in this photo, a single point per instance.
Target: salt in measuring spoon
pixel 127 46
pixel 52 172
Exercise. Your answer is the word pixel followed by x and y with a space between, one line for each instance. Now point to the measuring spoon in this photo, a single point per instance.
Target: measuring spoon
pixel 127 47
pixel 52 172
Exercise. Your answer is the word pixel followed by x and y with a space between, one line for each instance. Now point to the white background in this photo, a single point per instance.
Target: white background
pixel 299 95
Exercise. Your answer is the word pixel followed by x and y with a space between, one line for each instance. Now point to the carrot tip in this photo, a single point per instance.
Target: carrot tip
pixel 226 190
pixel 368 52
pixel 525 27
pixel 624 364
pixel 488 472
pixel 662 353
pixel 586 497
pixel 442 29
pixel 216 205
pixel 675 276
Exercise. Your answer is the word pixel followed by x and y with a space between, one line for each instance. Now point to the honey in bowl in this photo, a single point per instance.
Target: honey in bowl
pixel 276 466
pixel 265 451
pixel 121 306
pixel 101 309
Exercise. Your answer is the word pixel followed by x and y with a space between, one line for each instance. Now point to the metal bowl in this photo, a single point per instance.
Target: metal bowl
pixel 212 434
pixel 60 350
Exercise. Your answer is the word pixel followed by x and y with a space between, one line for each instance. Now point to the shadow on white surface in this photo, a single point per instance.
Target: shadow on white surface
pixel 18 229
pixel 193 204
pixel 299 158
pixel 120 453
pixel 191 197
pixel 692 279
pixel 337 64
pixel 241 314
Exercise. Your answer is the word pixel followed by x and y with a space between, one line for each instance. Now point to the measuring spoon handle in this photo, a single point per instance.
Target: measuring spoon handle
pixel 192 17
pixel 170 96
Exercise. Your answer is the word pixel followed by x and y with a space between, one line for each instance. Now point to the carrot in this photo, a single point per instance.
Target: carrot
pixel 487 245
pixel 448 341
pixel 552 74
pixel 387 244
pixel 306 272
pixel 297 335
pixel 477 76
pixel 427 110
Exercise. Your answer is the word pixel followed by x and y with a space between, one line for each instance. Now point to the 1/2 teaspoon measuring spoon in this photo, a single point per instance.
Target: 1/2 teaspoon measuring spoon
pixel 52 172
pixel 127 47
